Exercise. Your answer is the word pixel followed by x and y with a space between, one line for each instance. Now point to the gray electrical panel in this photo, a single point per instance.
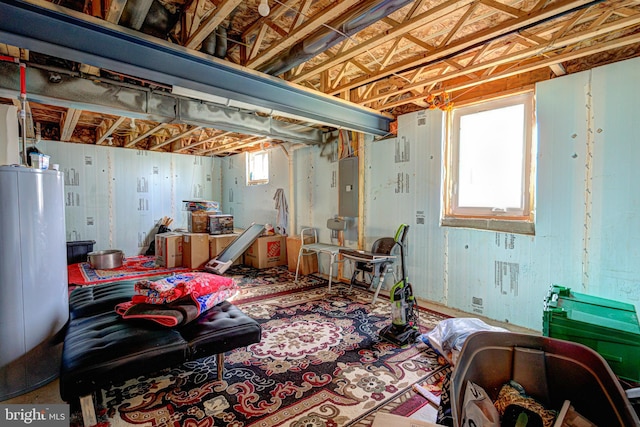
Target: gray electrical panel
pixel 348 187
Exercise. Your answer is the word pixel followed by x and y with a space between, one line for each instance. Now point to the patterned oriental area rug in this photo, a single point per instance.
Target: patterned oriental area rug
pixel 134 267
pixel 319 363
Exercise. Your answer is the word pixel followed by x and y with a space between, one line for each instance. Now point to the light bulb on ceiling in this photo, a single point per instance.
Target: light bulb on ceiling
pixel 263 8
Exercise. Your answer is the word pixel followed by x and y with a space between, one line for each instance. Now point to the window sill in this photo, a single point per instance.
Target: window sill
pixel 505 226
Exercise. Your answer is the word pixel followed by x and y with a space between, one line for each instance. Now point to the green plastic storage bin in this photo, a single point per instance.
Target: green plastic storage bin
pixel 609 327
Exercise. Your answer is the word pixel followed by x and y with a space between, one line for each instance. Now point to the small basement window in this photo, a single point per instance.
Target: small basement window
pixel 489 175
pixel 258 168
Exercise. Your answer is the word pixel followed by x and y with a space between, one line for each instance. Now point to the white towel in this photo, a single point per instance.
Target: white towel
pixel 282 220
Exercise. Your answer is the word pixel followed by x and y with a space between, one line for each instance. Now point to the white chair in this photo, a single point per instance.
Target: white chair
pixel 336 225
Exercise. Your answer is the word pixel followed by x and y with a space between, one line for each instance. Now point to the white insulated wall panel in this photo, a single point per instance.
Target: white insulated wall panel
pixel 253 203
pixel 492 274
pixel 131 200
pixel 315 179
pixel 380 186
pixel 321 180
pixel 116 196
pixel 421 132
pixel 324 195
pixel 10 140
pixel 233 173
pixel 193 180
pixel 614 270
pixel 303 178
pixel 85 186
pixel 561 178
pixel 324 200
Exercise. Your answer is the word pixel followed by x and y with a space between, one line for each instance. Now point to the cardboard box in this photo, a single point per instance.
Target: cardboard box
pixel 308 263
pixel 195 250
pixel 169 250
pixel 198 222
pixel 220 224
pixel 268 251
pixel 219 242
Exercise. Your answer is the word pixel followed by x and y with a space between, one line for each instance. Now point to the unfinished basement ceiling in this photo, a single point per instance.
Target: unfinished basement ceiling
pixel 390 56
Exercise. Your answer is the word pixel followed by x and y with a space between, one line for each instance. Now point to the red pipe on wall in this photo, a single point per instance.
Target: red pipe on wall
pixel 23 110
pixel 8 58
pixel 23 80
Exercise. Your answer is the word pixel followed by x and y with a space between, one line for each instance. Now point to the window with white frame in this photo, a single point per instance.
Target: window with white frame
pixel 489 176
pixel 258 168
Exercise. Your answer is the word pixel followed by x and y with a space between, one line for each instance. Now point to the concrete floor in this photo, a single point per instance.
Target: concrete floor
pixel 47 394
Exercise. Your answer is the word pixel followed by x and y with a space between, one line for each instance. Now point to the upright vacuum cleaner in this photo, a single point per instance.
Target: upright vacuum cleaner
pixel 403 329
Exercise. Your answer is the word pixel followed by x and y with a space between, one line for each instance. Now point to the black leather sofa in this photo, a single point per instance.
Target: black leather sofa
pixel 100 348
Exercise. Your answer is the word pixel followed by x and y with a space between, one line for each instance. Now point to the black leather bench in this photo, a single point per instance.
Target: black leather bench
pixel 100 348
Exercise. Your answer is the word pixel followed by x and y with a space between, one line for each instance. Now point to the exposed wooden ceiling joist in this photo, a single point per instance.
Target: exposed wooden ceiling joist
pixel 177 137
pixel 469 48
pixel 145 135
pixel 110 127
pixel 301 32
pixel 224 8
pixel 548 47
pixel 460 45
pixel 69 122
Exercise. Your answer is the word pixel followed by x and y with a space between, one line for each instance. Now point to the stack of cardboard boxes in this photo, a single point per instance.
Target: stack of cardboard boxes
pixel 193 250
pixel 197 246
pixel 210 232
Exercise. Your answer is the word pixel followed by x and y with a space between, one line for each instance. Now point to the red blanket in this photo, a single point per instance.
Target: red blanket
pixel 134 267
pixel 177 300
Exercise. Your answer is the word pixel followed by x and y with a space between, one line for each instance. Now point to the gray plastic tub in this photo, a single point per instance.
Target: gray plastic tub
pixel 550 370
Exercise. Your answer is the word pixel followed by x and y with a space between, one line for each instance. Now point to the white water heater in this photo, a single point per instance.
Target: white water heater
pixel 34 303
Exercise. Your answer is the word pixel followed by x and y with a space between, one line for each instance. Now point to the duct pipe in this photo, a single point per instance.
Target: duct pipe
pixel 332 34
pixel 221 43
pixel 135 12
pixel 216 43
pixel 209 44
